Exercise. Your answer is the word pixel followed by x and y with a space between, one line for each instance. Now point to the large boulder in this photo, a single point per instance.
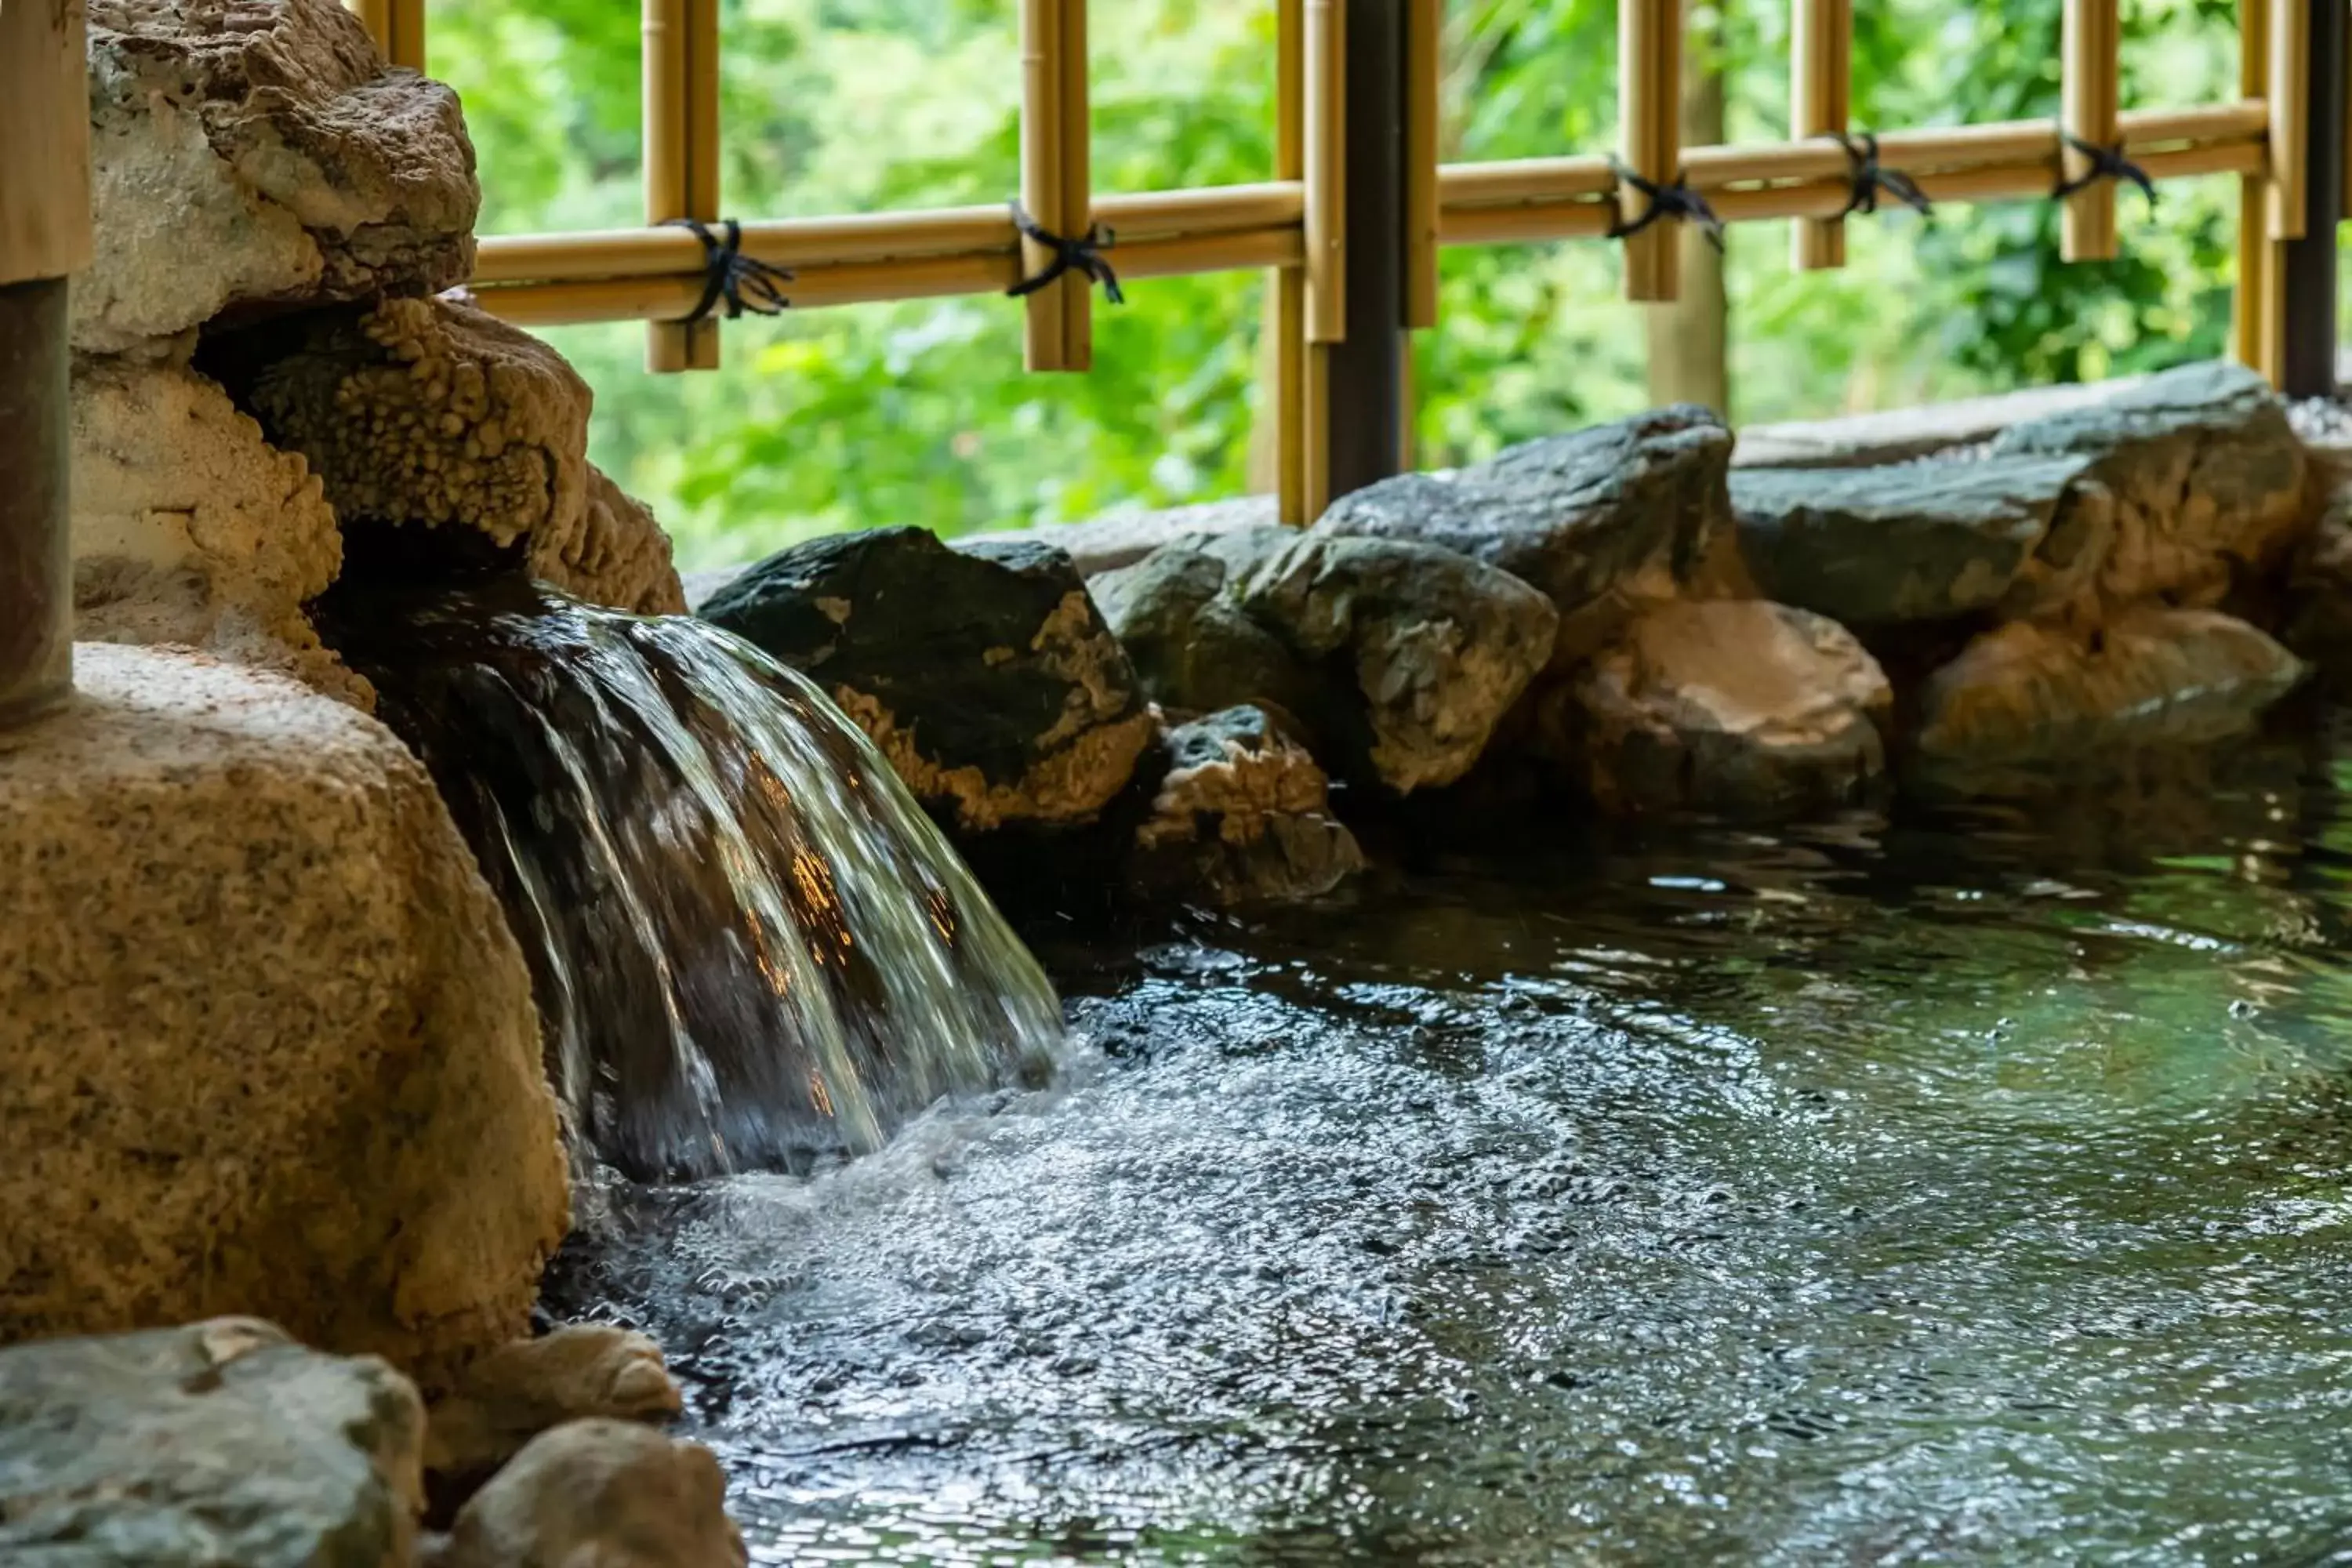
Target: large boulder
pixel 985 674
pixel 430 415
pixel 266 1044
pixel 1243 817
pixel 249 157
pixel 600 1494
pixel 220 1442
pixel 1600 520
pixel 1733 707
pixel 1926 540
pixel 188 528
pixel 2029 693
pixel 2206 474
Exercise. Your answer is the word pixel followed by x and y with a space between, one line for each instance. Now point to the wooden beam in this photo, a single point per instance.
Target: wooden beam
pixel 1364 384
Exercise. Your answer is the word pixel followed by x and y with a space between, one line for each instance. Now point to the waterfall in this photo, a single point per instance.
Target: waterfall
pixel 749 945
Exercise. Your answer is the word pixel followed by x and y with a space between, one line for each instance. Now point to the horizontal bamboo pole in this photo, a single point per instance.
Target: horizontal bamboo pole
pixel 991 271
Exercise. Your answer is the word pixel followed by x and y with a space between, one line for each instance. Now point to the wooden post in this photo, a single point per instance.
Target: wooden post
pixel 1649 97
pixel 375 15
pixel 2289 102
pixel 44 235
pixel 403 43
pixel 1821 78
pixel 2251 318
pixel 702 169
pixel 1045 339
pixel 2308 277
pixel 2091 91
pixel 1323 104
pixel 1424 64
pixel 664 83
pixel 1288 284
pixel 1364 396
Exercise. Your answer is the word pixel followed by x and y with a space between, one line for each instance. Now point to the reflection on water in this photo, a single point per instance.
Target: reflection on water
pixel 1975 1189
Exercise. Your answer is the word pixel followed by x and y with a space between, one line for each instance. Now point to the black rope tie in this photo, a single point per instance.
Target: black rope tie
pixel 1082 255
pixel 744 282
pixel 1872 178
pixel 1676 200
pixel 2107 163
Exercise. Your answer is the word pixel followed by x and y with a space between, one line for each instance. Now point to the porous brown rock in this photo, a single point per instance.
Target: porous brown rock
pixel 251 156
pixel 218 1442
pixel 429 413
pixel 1735 707
pixel 600 1494
pixel 188 528
pixel 1242 816
pixel 266 1044
pixel 518 1391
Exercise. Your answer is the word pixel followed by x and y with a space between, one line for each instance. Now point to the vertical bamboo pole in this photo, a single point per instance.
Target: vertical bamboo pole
pixel 2252 323
pixel 664 76
pixel 1077 186
pixel 702 164
pixel 2290 103
pixel 1649 95
pixel 405 45
pixel 1289 283
pixel 1327 171
pixel 1046 339
pixel 375 15
pixel 1424 51
pixel 1821 78
pixel 2091 91
pixel 45 235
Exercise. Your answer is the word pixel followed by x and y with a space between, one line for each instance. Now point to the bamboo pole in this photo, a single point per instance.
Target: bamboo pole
pixel 703 168
pixel 2250 320
pixel 2289 27
pixel 1077 186
pixel 663 68
pixel 375 15
pixel 1425 25
pixel 1821 78
pixel 2091 92
pixel 1289 284
pixel 1325 216
pixel 1649 87
pixel 1319 430
pixel 1046 339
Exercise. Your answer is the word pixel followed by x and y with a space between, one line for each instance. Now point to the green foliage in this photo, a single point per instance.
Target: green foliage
pixel 919 411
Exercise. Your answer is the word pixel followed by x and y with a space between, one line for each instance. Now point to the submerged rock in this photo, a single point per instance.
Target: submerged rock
pixel 253 157
pixel 266 1044
pixel 1243 817
pixel 1598 520
pixel 2026 692
pixel 221 1443
pixel 501 1402
pixel 985 674
pixel 600 1494
pixel 1738 707
pixel 2206 473
pixel 1923 540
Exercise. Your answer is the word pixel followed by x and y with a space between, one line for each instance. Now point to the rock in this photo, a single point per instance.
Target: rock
pixel 984 675
pixel 2318 623
pixel 1118 538
pixel 266 1045
pixel 619 556
pixel 518 1391
pixel 2025 692
pixel 221 1443
pixel 600 1494
pixel 251 156
pixel 2207 475
pixel 188 528
pixel 1193 647
pixel 1738 707
pixel 1898 435
pixel 1923 540
pixel 1599 519
pixel 1243 817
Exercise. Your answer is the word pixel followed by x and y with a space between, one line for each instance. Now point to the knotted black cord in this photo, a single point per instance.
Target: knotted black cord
pixel 1871 178
pixel 1675 200
pixel 729 274
pixel 2107 163
pixel 1083 255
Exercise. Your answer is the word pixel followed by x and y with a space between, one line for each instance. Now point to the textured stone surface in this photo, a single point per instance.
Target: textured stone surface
pixel 1899 435
pixel 266 1045
pixel 1243 817
pixel 2027 693
pixel 600 1494
pixel 2317 620
pixel 1598 519
pixel 518 1391
pixel 1731 706
pixel 2206 477
pixel 189 528
pixel 985 675
pixel 1194 647
pixel 219 1443
pixel 254 155
pixel 1926 541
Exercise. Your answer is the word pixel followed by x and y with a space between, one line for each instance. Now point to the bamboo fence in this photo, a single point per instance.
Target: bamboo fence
pixel 1296 224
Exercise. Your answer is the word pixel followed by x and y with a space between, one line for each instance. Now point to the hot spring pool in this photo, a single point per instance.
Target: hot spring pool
pixel 1972 1188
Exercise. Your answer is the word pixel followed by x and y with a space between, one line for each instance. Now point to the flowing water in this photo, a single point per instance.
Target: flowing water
pixel 749 946
pixel 1973 1188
